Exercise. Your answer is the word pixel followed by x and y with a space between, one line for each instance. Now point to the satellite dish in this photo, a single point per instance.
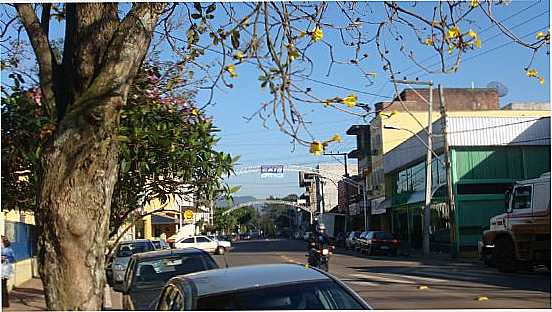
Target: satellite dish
pixel 500 88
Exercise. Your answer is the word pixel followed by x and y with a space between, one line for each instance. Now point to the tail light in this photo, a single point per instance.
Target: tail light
pixel 331 248
pixel 395 241
pixel 376 240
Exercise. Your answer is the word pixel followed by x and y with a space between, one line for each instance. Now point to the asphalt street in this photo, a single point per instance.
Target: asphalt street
pixel 410 283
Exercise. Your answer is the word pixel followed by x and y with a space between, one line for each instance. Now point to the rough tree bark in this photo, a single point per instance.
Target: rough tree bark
pixel 84 94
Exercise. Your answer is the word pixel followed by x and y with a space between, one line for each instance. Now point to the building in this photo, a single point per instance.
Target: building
pixel 19 227
pixel 487 154
pixel 537 106
pixel 321 187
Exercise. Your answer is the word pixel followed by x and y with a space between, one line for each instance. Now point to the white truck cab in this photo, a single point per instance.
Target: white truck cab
pixel 521 235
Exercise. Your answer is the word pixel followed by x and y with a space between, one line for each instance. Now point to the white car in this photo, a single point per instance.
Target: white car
pixel 204 243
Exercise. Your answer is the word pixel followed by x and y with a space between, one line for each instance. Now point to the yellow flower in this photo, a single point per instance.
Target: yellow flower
pixel 316 148
pixel 292 52
pixel 231 70
pixel 540 35
pixel 350 100
pixel 336 138
pixel 454 32
pixel 477 43
pixel 541 81
pixel 195 112
pixel 317 34
pixel 472 34
pixel 428 42
pixel 532 73
pixel 238 56
pixel 474 3
pixel 450 49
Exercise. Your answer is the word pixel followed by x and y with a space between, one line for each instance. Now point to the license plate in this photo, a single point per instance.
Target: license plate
pixel 384 247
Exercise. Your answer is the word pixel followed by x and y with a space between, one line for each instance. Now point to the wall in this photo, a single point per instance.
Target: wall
pixel 19 228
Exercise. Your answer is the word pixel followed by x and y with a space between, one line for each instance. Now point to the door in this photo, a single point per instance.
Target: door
pixel 521 219
pixel 206 244
pixel 186 243
pixel 541 212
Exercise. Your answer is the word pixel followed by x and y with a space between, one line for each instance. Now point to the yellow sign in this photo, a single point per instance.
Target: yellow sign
pixel 188 214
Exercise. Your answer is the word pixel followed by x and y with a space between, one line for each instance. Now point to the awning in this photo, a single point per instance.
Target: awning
pixel 157 219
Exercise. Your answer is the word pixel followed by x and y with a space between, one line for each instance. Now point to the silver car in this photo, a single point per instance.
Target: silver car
pixel 122 255
pixel 259 287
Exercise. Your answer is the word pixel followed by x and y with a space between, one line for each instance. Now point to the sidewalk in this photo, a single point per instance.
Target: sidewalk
pixel 29 296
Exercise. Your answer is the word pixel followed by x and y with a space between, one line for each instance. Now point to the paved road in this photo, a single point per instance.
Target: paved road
pixel 394 282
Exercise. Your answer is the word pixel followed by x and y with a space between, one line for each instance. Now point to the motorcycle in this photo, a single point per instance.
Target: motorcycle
pixel 320 258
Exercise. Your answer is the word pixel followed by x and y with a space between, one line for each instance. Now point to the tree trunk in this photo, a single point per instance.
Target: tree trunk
pixel 80 171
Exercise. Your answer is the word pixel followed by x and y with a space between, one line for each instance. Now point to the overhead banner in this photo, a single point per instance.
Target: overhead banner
pixel 272 171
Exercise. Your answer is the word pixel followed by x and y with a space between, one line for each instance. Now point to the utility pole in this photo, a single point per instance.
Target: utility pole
pixel 427 205
pixel 450 194
pixel 344 159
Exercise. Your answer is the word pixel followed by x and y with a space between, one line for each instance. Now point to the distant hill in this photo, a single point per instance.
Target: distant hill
pixel 237 200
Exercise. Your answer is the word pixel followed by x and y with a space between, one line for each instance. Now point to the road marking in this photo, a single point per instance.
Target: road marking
pixel 462 276
pixel 429 279
pixel 382 279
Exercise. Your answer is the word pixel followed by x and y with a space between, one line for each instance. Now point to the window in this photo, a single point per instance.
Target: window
pixel 202 239
pixel 188 240
pixel 159 271
pixel 317 295
pixel 128 249
pixel 522 197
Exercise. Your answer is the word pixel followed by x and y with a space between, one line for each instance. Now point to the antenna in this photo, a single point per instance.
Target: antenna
pixel 500 88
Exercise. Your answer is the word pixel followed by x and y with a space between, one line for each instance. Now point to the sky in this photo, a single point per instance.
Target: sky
pixel 497 60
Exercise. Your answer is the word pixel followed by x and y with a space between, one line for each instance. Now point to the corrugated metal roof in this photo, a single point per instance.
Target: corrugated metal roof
pixel 472 131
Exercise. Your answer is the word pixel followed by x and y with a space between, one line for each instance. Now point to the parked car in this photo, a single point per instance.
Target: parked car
pixel 121 256
pixel 159 244
pixel 360 242
pixel 148 273
pixel 380 242
pixel 351 238
pixel 204 243
pixel 259 287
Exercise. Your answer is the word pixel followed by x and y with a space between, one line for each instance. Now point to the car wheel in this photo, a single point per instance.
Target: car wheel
pixel 504 255
pixel 220 250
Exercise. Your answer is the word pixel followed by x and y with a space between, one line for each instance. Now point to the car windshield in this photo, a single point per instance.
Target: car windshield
pixel 128 249
pixel 383 235
pixel 156 272
pixel 317 295
pixel 356 234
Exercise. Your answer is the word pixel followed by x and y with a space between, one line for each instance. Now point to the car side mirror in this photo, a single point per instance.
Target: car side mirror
pixel 507 196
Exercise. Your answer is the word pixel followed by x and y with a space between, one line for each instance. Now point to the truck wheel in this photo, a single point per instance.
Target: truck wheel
pixel 504 255
pixel 220 250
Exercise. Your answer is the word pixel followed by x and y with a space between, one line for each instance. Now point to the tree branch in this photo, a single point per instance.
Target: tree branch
pixel 44 54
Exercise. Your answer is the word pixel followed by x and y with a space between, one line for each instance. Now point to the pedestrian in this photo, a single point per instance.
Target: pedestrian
pixel 8 258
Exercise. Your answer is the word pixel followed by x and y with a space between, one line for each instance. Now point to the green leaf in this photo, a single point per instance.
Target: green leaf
pixel 197 6
pixel 211 8
pixel 235 39
pixel 209 16
pixel 196 16
pixel 234 189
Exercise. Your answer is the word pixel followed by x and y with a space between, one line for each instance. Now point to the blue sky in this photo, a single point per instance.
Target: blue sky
pixel 258 146
pixel 497 60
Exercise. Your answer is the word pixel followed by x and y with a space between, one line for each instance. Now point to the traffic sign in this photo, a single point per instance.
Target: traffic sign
pixel 188 214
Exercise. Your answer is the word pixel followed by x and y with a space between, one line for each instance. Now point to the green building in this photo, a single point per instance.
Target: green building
pixel 487 155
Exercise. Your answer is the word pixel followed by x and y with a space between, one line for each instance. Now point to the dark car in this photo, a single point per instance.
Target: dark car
pixel 148 272
pixel 118 261
pixel 380 242
pixel 260 287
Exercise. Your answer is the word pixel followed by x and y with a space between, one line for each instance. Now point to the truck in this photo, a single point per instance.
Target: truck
pixel 520 237
pixel 334 223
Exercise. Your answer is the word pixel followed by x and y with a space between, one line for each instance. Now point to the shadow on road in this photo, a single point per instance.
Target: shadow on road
pixel 535 281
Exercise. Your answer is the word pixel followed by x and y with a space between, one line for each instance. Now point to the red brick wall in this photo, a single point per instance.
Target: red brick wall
pixel 456 99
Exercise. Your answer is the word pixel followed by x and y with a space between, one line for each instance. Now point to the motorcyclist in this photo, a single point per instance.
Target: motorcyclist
pixel 319 241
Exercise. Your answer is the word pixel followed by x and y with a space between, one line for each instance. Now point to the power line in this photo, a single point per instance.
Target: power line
pixel 482 31
pixel 425 73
